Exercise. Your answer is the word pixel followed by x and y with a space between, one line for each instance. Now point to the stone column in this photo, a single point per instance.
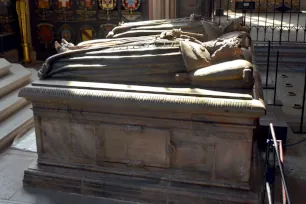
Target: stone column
pixel 32 51
pixel 172 8
pixel 161 9
pixel 303 5
pixel 150 9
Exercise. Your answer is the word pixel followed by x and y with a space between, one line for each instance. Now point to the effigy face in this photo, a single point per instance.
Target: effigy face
pixel 189 52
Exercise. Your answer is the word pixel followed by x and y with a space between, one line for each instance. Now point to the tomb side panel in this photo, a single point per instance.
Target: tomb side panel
pixel 134 145
pixel 233 158
pixel 56 134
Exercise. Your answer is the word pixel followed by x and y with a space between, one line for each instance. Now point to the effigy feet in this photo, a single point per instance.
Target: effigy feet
pixel 63 47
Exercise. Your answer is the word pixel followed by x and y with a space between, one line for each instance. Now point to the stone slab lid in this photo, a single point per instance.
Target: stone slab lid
pixel 168 99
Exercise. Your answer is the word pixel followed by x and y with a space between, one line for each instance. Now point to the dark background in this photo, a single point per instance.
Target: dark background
pixel 49 22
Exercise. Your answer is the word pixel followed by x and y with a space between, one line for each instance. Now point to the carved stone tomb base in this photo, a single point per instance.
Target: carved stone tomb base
pixel 146 144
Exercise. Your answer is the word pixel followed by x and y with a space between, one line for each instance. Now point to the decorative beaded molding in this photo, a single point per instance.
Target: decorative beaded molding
pixel 127 97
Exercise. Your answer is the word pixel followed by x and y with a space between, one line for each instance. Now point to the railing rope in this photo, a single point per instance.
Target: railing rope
pixel 282 161
pixel 279 155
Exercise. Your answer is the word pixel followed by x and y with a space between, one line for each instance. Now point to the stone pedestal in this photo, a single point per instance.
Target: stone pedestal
pixel 147 144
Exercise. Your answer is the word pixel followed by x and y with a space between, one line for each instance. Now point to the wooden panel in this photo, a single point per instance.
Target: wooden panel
pixel 135 145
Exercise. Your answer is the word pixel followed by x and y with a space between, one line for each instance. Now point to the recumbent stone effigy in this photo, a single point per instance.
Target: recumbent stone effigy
pixel 158 111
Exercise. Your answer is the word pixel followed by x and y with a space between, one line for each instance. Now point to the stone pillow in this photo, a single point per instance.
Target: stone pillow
pixel 246 37
pixel 211 31
pixel 195 56
pixel 231 70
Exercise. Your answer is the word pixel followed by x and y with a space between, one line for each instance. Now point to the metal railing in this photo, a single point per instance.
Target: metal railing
pixel 273 20
pixel 274 161
pixel 279 57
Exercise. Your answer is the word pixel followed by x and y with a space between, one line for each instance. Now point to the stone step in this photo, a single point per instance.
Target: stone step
pixel 276 116
pixel 17 77
pixel 11 103
pixel 4 67
pixel 281 49
pixel 297 50
pixel 11 56
pixel 17 124
pixel 297 45
pixel 26 142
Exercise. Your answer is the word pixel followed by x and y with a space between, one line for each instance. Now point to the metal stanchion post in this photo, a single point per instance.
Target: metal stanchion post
pixel 267 86
pixel 299 128
pixel 303 105
pixel 275 102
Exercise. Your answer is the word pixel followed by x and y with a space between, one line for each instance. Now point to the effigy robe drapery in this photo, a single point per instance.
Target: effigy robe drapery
pixel 160 111
pixel 172 57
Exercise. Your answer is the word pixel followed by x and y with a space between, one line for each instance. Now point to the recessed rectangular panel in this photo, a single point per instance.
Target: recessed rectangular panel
pixel 194 150
pixel 136 145
pixel 83 141
pixel 233 159
pixel 56 137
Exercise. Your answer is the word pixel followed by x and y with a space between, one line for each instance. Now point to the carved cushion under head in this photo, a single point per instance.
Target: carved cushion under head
pixel 195 56
pixel 230 74
pixel 246 37
pixel 212 32
pixel 227 53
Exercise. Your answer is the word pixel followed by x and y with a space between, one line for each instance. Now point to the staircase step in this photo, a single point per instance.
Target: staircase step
pixel 11 55
pixel 17 124
pixel 26 142
pixel 17 77
pixel 11 103
pixel 4 67
pixel 276 116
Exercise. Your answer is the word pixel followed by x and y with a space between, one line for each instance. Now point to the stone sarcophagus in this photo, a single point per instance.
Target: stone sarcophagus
pixel 163 137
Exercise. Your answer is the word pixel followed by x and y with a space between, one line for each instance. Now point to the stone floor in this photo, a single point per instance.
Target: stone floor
pixel 12 165
pixel 14 162
pixel 295 156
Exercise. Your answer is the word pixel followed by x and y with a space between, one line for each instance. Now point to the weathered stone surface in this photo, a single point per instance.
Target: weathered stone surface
pixel 16 77
pixel 132 188
pixel 10 103
pixel 164 59
pixel 149 131
pixel 14 125
pixel 4 67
